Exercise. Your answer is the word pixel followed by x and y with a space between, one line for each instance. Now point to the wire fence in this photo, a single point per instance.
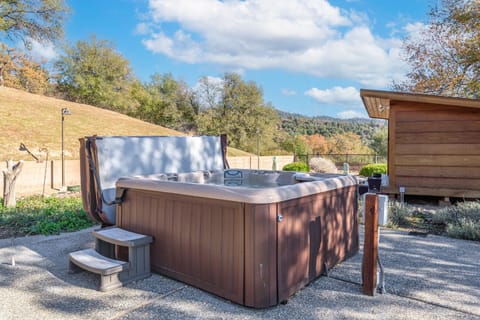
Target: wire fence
pixel 355 161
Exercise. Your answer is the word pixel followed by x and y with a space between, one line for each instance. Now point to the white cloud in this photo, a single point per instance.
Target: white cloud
pixel 42 52
pixel 350 114
pixel 340 96
pixel 312 37
pixel 288 92
pixel 142 29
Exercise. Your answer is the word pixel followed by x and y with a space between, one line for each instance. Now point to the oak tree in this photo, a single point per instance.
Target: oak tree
pixel 444 58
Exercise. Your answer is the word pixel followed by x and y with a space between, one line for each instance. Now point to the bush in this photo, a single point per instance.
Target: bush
pixel 398 214
pixel 369 169
pixel 296 166
pixel 461 220
pixel 322 165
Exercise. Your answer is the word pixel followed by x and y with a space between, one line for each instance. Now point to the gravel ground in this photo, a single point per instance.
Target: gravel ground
pixel 428 277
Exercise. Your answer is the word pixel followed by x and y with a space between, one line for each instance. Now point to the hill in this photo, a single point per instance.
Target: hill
pixel 296 124
pixel 36 121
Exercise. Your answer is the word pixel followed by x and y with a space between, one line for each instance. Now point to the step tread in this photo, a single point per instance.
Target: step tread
pixel 91 260
pixel 122 237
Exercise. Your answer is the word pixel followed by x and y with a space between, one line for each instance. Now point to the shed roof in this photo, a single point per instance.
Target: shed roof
pixel 378 102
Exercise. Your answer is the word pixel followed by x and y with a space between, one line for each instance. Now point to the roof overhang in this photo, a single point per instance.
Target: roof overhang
pixel 378 102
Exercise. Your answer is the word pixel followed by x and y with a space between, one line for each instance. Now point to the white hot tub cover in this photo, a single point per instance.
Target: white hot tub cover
pixel 105 159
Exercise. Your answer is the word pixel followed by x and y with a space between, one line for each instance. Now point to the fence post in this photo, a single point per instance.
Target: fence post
pixel 370 246
pixel 376 158
pixel 52 175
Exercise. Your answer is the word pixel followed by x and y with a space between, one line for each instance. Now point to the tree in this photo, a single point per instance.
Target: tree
pixel 167 102
pixel 317 143
pixel 444 58
pixel 242 114
pixel 93 72
pixel 40 20
pixel 349 142
pixel 18 71
pixel 379 142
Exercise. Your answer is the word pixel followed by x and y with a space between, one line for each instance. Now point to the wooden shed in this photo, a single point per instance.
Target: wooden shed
pixel 433 142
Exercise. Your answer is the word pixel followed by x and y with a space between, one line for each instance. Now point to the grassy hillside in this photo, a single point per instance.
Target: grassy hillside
pixel 36 121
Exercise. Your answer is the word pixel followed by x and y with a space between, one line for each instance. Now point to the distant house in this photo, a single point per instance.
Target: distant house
pixel 433 142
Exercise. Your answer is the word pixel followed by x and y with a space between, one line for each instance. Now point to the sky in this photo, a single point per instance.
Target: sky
pixel 309 57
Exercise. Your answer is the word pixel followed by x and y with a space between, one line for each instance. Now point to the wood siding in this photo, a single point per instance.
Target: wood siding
pixel 434 149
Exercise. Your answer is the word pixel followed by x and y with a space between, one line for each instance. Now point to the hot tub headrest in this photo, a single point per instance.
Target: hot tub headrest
pixel 109 158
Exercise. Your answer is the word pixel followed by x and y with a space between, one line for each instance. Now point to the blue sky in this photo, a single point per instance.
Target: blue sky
pixel 309 56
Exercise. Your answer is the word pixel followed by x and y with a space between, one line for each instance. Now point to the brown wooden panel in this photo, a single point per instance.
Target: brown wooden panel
pixel 294 245
pixel 437 149
pixel 436 114
pixel 438 160
pixel 438 172
pixel 198 241
pixel 438 126
pixel 318 229
pixel 440 192
pixel 449 183
pixel 261 255
pixel 392 122
pixel 469 137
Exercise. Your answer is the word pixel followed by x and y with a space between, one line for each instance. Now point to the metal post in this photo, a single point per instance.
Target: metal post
pixel 63 152
pixel 258 149
pixel 65 112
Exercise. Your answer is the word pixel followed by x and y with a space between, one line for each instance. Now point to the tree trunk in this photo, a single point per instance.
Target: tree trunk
pixel 10 175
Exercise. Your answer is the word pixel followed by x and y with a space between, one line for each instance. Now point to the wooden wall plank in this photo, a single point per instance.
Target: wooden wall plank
pixel 437 160
pixel 438 172
pixel 392 144
pixel 450 183
pixel 438 126
pixel 470 137
pixel 441 113
pixel 440 192
pixel 438 149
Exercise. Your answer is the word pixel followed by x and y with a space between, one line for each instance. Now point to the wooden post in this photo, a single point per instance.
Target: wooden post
pixel 10 175
pixel 370 244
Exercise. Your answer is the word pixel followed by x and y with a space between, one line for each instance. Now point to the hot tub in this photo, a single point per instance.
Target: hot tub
pixel 252 241
pixel 252 237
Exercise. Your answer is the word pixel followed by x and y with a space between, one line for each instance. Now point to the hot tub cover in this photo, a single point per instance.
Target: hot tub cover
pixel 103 160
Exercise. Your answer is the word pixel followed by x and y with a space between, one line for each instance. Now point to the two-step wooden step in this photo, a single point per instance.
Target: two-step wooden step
pixel 104 260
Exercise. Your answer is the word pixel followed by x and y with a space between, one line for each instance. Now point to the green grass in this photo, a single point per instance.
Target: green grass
pixel 38 215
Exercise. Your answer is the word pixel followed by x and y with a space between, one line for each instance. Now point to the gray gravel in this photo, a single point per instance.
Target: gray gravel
pixel 426 278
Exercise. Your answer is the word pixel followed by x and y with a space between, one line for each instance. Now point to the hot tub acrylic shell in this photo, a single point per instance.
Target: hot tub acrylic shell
pixel 240 250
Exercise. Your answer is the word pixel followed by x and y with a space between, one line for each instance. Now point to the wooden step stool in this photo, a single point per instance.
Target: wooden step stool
pixel 104 260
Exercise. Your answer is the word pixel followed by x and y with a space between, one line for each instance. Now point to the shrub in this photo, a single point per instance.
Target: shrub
pixel 322 165
pixel 464 229
pixel 398 214
pixel 369 169
pixel 461 220
pixel 296 166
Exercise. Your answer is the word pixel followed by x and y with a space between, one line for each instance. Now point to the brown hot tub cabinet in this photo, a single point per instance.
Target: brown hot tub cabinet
pixel 252 254
pixel 253 246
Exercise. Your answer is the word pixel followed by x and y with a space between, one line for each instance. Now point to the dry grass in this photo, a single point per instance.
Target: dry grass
pixel 36 121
